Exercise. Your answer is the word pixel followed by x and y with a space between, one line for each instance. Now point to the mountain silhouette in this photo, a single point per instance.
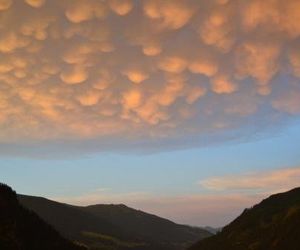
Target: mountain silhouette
pixel 114 226
pixel 272 224
pixel 21 229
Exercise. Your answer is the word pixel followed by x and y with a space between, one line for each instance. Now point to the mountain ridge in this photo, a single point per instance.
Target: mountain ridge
pixel 116 226
pixel 271 224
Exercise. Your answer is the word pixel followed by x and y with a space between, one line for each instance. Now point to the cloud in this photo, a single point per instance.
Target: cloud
pixel 79 10
pixel 36 3
pixel 5 4
pixel 271 181
pixel 294 57
pixel 258 60
pixel 195 93
pixel 151 50
pixel 172 64
pixel 10 41
pixel 217 30
pixel 74 75
pixel 132 99
pixel 136 76
pixel 222 85
pixel 121 7
pixel 170 14
pixel 203 66
pixel 89 98
pixel 153 74
pixel 274 15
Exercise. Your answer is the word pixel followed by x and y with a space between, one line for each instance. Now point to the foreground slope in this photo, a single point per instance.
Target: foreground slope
pixel 272 224
pixel 21 229
pixel 114 226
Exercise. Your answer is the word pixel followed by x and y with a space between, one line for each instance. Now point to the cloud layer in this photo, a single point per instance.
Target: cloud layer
pixel 152 70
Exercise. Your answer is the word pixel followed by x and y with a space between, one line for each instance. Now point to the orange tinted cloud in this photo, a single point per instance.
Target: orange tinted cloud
pixel 132 99
pixel 5 4
pixel 169 68
pixel 203 67
pixel 172 64
pixel 121 7
pixel 79 10
pixel 151 50
pixel 10 41
pixel 258 60
pixel 135 75
pixel 89 98
pixel 35 3
pixel 171 14
pixel 222 85
pixel 269 181
pixel 74 75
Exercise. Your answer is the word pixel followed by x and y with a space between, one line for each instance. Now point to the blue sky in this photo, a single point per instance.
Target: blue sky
pixel 168 172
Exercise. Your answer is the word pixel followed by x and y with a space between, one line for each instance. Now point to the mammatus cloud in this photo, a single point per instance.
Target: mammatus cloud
pixel 221 199
pixel 156 71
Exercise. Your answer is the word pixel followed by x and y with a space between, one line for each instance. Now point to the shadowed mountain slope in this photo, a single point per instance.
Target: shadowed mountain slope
pixel 114 226
pixel 148 226
pixel 67 219
pixel 272 224
pixel 21 229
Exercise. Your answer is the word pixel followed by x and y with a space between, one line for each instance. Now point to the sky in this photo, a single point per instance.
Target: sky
pixel 188 109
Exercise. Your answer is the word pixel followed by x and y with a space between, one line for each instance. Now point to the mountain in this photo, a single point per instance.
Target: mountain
pixel 272 224
pixel 114 226
pixel 147 226
pixel 21 229
pixel 213 230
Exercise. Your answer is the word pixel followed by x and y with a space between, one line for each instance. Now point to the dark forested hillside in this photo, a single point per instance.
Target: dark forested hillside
pixel 21 229
pixel 114 226
pixel 272 224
